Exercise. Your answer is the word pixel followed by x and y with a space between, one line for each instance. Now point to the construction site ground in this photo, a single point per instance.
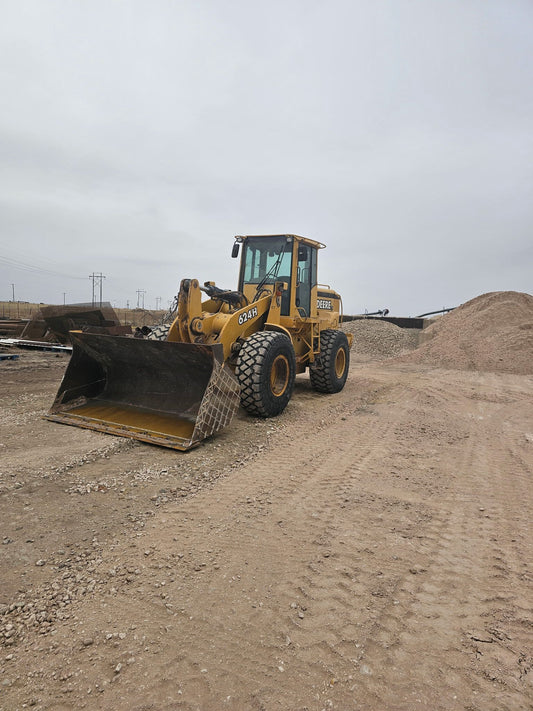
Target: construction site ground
pixel 367 550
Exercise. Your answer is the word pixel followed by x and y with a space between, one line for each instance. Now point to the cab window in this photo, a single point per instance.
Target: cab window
pixel 267 260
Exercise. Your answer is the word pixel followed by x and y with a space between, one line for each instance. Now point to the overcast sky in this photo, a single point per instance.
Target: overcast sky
pixel 138 137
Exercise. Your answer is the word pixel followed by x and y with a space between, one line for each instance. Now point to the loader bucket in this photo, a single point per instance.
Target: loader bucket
pixel 171 394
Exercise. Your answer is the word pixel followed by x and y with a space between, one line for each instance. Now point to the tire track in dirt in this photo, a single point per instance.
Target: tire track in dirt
pixel 233 535
pixel 501 482
pixel 447 598
pixel 304 581
pixel 355 563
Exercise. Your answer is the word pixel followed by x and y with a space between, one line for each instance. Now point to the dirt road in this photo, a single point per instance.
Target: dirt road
pixel 367 550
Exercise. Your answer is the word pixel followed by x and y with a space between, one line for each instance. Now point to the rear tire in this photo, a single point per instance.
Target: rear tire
pixel 159 333
pixel 328 374
pixel 266 369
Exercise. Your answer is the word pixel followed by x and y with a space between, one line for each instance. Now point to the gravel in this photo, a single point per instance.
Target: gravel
pixel 375 339
pixel 493 332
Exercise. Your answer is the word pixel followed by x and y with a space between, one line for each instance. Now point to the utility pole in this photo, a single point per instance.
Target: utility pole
pixel 140 295
pixel 98 280
pixel 13 287
pixel 157 303
pixel 64 298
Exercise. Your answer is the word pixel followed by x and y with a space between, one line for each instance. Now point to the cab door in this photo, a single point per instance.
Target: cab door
pixel 305 280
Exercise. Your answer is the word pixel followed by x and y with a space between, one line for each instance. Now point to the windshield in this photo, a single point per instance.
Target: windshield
pixel 267 260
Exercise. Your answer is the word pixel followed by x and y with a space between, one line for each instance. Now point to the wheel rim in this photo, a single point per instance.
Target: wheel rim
pixel 279 375
pixel 340 363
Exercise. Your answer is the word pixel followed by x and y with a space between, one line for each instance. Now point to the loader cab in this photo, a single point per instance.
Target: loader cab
pixel 267 259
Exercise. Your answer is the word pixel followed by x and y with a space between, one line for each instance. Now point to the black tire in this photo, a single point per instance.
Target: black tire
pixel 266 369
pixel 159 333
pixel 329 372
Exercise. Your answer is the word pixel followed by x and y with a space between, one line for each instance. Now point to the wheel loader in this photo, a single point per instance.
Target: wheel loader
pixel 235 347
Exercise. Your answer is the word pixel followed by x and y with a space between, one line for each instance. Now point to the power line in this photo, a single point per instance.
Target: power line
pixel 27 267
pixel 97 281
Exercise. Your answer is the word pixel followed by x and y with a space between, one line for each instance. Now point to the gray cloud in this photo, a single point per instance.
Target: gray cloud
pixel 137 138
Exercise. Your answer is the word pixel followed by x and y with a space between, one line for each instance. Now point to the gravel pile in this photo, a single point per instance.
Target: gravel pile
pixel 378 340
pixel 493 332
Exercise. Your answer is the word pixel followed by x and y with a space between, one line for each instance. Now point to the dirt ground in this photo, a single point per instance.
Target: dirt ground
pixel 369 550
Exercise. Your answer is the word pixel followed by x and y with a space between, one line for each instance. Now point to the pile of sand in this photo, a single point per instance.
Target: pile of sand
pixel 493 332
pixel 375 339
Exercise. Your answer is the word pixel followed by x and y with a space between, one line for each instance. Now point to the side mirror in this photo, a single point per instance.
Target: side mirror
pixel 235 250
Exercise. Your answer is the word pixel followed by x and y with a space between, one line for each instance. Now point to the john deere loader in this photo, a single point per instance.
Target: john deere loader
pixel 243 346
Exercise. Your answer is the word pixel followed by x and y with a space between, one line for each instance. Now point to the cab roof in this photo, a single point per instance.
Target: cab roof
pixel 305 240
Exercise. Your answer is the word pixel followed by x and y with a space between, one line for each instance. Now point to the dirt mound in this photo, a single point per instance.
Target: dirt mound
pixel 493 332
pixel 375 339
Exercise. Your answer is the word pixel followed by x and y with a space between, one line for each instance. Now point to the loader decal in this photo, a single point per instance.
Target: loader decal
pixel 325 304
pixel 247 315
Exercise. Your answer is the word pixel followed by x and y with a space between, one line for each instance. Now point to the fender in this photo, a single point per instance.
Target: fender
pixel 278 328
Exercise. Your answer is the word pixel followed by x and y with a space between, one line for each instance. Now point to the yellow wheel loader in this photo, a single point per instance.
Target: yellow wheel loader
pixel 186 382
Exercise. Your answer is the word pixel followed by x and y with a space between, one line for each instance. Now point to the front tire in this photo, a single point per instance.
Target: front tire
pixel 329 373
pixel 266 369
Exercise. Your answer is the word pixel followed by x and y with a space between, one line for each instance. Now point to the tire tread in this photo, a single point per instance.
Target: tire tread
pixel 249 372
pixel 322 372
